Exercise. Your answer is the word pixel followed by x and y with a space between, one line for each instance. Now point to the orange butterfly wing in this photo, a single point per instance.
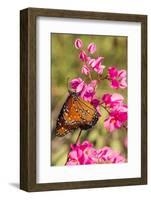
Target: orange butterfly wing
pixel 76 113
pixel 62 128
pixel 87 110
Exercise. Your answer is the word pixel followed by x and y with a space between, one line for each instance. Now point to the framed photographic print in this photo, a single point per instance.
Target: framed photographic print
pixel 83 99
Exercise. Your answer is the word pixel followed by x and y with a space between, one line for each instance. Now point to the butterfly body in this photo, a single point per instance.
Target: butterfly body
pixel 75 113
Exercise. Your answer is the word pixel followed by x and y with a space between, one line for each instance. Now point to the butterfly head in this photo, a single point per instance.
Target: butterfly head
pixel 73 93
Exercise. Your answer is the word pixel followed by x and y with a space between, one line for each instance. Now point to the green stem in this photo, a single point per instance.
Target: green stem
pixel 105 109
pixel 77 141
pixel 78 138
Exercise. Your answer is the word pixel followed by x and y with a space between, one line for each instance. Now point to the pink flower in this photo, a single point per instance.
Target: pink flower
pixel 91 48
pixel 78 44
pixel 83 56
pixel 95 62
pixel 111 124
pixel 85 153
pixel 106 98
pixel 117 118
pixel 77 84
pixel 72 162
pixel 81 154
pixel 91 61
pixel 111 100
pixel 96 65
pixel 88 91
pixel 118 98
pixel 117 111
pixel 112 72
pixel 85 70
pixel 96 103
pixel 117 78
pixel 107 155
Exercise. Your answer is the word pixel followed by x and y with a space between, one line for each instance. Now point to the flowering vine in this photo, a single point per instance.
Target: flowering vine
pixel 94 72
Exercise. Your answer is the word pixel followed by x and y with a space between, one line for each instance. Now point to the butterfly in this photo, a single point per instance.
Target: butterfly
pixel 76 113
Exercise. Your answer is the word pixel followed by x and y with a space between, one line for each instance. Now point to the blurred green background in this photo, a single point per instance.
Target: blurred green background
pixel 65 63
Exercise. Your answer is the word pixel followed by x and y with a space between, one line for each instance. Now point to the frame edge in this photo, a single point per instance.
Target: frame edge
pixel 23 99
pixel 27 100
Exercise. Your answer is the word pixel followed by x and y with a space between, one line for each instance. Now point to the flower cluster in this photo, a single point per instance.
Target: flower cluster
pixel 117 78
pixel 89 63
pixel 112 103
pixel 117 110
pixel 85 153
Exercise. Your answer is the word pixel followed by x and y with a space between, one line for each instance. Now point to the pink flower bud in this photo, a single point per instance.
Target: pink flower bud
pixel 96 65
pixel 85 70
pixel 91 48
pixel 83 56
pixel 78 44
pixel 91 61
pixel 97 62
